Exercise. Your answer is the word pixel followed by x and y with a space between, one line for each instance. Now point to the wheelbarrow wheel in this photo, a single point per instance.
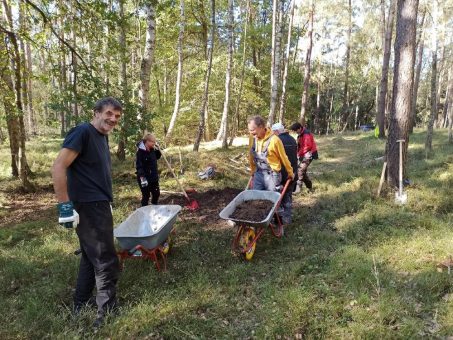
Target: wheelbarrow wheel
pixel 247 236
pixel 168 243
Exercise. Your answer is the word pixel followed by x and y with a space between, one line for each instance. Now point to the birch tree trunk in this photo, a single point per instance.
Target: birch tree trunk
pixel 450 109
pixel 147 61
pixel 75 96
pixel 383 87
pixel 223 131
pixel 30 108
pixel 275 52
pixel 433 114
pixel 345 108
pixel 174 116
pixel 401 99
pixel 241 83
pixel 62 81
pixel 286 62
pixel 204 100
pixel 448 99
pixel 122 142
pixel 307 66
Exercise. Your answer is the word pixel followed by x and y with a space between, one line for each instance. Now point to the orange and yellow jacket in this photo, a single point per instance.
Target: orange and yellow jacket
pixel 276 155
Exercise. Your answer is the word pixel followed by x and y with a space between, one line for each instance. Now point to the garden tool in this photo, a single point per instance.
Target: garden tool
pixel 192 203
pixel 400 195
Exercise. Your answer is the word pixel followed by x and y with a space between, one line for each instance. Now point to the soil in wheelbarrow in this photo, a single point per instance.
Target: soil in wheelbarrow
pixel 255 210
pixel 211 204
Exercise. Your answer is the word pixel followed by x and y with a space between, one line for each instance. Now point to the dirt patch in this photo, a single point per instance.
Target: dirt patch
pixel 256 210
pixel 18 207
pixel 211 203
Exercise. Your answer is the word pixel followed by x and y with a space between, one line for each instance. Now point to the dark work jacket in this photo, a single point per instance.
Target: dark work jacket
pixel 146 162
pixel 290 145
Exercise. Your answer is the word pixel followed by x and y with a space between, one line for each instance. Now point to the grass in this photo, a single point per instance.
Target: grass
pixel 350 265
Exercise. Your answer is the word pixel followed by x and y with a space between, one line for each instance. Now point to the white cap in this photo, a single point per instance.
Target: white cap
pixel 278 127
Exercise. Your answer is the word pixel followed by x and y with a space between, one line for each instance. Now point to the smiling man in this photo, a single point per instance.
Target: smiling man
pixel 83 186
pixel 267 156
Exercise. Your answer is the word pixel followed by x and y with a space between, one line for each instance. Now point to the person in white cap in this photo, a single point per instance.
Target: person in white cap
pixel 290 146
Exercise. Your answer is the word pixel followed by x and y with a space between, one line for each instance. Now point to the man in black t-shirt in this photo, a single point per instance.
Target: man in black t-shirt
pixel 83 187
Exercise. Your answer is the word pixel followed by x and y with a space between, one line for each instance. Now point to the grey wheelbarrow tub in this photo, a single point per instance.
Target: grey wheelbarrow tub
pixel 147 226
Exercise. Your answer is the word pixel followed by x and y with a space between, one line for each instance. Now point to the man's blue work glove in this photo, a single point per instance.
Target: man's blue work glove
pixel 68 217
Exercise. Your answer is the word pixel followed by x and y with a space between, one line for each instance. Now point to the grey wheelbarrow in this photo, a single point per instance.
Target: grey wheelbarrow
pixel 145 234
pixel 249 232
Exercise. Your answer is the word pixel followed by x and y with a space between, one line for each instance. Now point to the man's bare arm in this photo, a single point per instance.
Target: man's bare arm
pixel 61 164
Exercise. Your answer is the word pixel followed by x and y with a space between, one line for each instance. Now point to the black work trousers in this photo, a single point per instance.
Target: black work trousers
pixel 151 189
pixel 99 264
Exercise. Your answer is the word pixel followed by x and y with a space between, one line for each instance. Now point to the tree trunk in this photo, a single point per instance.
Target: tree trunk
pixel 345 108
pixel 62 83
pixel 286 63
pixel 30 109
pixel 204 100
pixel 122 142
pixel 223 131
pixel 17 123
pixel 307 66
pixel 275 52
pixel 433 114
pixel 450 112
pixel 416 82
pixel 448 99
pixel 147 63
pixel 179 76
pixel 75 96
pixel 241 84
pixel 441 71
pixel 401 99
pixel 383 87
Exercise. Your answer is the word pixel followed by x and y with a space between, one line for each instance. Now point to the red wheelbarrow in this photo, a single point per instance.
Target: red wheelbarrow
pixel 145 234
pixel 249 232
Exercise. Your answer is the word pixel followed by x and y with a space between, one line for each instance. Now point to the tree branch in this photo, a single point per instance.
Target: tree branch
pixel 47 21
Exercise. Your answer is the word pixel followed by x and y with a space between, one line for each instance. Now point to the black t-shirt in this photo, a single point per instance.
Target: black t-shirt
pixel 89 176
pixel 290 145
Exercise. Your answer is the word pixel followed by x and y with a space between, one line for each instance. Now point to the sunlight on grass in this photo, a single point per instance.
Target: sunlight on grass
pixel 350 265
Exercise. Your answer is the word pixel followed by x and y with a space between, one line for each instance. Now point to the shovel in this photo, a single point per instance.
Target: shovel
pixel 192 203
pixel 400 196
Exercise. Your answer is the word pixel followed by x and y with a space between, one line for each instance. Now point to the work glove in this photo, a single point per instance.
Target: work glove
pixel 277 179
pixel 307 156
pixel 68 217
pixel 143 182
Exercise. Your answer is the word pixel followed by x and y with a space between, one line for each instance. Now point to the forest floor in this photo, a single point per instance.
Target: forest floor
pixel 349 266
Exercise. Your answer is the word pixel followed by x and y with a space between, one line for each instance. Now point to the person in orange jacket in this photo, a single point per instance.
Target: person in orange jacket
pixel 267 156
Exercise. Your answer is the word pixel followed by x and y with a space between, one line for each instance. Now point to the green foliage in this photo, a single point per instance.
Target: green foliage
pixel 350 265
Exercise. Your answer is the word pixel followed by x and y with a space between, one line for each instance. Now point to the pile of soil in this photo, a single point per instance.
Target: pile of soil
pixel 256 210
pixel 211 204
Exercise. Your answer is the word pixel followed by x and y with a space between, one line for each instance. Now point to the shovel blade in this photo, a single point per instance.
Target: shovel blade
pixel 400 199
pixel 193 205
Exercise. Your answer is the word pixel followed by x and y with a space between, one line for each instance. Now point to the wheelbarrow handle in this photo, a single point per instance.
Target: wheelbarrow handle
pixel 288 181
